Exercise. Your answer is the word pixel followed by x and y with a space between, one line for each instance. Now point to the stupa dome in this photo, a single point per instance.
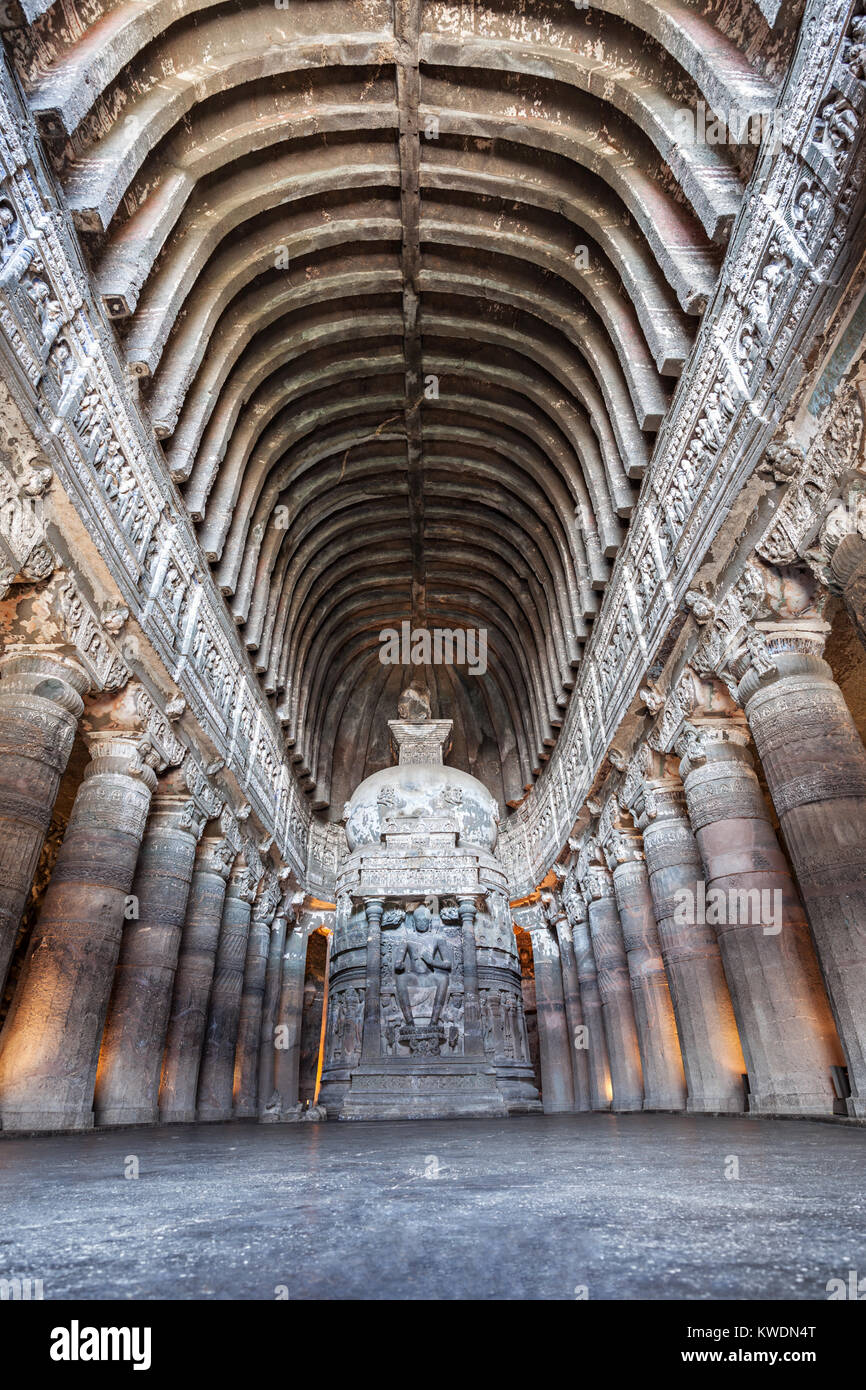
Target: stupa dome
pixel 416 790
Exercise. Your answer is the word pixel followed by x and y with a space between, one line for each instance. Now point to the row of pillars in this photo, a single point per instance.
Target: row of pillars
pixel 681 963
pixel 164 976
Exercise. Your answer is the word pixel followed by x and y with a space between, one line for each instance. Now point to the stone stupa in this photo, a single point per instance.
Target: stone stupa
pixel 425 1016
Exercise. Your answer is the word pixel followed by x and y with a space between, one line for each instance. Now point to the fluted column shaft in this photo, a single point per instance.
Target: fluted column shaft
pixel 192 982
pixel 130 1061
pixel 290 1012
pixel 600 1089
pixel 473 1041
pixel 371 1041
pixel 815 766
pixel 50 1044
pixel 709 1042
pixel 661 1061
pixel 40 706
pixel 247 1053
pixel 216 1077
pixel 557 1085
pixel 573 1014
pixel 268 1100
pixel 614 987
pixel 784 1020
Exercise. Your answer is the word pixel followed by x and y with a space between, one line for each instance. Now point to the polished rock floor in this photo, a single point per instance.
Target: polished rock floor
pixel 538 1207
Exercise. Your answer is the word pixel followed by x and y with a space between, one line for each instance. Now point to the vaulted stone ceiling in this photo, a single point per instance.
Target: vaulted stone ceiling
pixel 407 289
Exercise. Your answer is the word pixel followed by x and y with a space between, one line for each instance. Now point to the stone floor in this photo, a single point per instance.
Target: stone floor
pixel 630 1206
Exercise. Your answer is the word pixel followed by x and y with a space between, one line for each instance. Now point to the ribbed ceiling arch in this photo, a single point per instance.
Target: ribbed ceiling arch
pixel 406 288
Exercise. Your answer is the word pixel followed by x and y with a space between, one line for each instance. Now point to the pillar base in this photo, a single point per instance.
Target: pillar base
pixel 396 1091
pixel 627 1107
pixel 177 1117
pixel 213 1117
pixel 856 1107
pixel 820 1105
pixel 116 1115
pixel 716 1105
pixel 516 1081
pixel 670 1105
pixel 40 1121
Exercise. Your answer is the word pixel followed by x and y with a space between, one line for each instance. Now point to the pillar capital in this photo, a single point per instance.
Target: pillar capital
pixel 652 790
pixel 532 917
pixel 268 898
pixel 127 728
pixel 769 624
pixel 573 899
pixel 593 873
pixel 620 840
pixel 243 883
pixel 712 741
pixel 216 855
pixel 52 615
pixel 841 540
pixel 44 672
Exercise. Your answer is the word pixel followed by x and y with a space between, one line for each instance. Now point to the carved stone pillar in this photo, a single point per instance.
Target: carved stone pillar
pixel 371 1044
pixel 815 766
pixel 557 1085
pixel 661 1061
pixel 709 1042
pixel 50 1044
pixel 216 1078
pixel 40 705
pixel 785 1025
pixel 268 1097
pixel 193 979
pixel 290 1013
pixel 130 1062
pixel 600 1089
pixel 473 1042
pixel 573 1013
pixel 248 1048
pixel 614 984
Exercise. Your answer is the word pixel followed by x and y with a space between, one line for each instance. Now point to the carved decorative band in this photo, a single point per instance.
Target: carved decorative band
pixel 710 804
pixel 825 785
pixel 24 808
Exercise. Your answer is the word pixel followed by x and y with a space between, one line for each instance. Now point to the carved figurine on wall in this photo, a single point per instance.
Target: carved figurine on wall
pixel 353 1004
pixel 426 956
pixel 390 1022
pixel 451 1015
pixel 335 1024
